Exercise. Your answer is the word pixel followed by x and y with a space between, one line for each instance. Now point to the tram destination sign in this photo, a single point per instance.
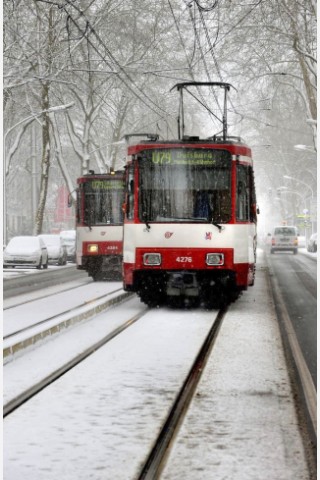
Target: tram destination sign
pixel 189 156
pixel 107 185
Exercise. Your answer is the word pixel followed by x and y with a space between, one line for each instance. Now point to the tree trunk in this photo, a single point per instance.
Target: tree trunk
pixel 45 162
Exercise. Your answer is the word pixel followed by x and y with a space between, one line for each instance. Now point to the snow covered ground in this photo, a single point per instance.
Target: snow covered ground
pixel 241 425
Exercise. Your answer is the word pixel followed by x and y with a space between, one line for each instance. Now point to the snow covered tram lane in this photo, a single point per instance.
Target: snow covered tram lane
pixel 242 423
pixel 24 315
pixel 101 418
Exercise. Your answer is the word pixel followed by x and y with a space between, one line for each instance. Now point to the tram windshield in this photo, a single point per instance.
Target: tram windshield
pixel 102 202
pixel 185 185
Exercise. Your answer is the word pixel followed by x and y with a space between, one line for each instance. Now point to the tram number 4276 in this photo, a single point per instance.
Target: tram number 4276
pixel 184 259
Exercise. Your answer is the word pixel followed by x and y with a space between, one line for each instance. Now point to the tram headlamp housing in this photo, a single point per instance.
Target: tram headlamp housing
pixel 92 248
pixel 215 259
pixel 152 259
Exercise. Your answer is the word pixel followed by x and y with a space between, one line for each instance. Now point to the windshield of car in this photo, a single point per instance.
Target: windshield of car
pixel 68 237
pixel 285 231
pixel 68 241
pixel 51 240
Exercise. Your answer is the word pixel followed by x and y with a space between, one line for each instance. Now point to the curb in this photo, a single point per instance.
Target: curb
pixel 35 338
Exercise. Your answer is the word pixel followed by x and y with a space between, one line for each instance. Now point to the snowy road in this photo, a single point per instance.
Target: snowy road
pixel 37 310
pixel 296 277
pixel 107 411
pixel 99 420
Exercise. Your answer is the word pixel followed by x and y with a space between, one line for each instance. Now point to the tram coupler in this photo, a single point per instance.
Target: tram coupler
pixel 182 284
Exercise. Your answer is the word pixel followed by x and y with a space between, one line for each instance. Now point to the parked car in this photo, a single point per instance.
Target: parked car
pixel 57 250
pixel 25 251
pixel 69 239
pixel 312 244
pixel 284 238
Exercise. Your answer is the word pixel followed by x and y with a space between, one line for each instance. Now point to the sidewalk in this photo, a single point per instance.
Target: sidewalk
pixel 251 429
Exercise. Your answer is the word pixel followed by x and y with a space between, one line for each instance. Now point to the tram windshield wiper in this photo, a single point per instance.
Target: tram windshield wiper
pixel 216 225
pixel 89 223
pixel 145 218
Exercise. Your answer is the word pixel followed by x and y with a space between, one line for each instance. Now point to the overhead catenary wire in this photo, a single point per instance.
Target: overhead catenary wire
pixel 187 58
pixel 205 106
pixel 203 59
pixel 123 76
pixel 211 49
pixel 140 95
pixel 88 29
pixel 220 38
pixel 206 9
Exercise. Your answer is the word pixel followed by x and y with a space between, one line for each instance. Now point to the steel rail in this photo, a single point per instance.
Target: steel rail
pixel 36 336
pixel 60 314
pixel 32 391
pixel 45 295
pixel 156 460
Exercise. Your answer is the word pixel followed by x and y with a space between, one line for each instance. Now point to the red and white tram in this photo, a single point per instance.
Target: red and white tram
pixel 99 224
pixel 190 219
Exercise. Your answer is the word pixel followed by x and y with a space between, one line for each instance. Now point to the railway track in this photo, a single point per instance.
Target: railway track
pixel 24 300
pixel 27 394
pixel 16 337
pixel 152 385
pixel 70 311
pixel 156 459
pixel 145 405
pixel 179 400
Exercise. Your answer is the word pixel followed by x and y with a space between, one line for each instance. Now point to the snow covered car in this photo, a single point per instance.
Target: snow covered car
pixel 25 251
pixel 57 251
pixel 312 244
pixel 69 239
pixel 284 238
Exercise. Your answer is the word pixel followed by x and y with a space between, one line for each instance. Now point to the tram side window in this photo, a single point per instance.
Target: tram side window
pixel 130 190
pixel 79 217
pixel 243 193
pixel 253 200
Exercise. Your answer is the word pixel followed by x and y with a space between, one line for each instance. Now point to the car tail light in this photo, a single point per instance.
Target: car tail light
pixel 273 241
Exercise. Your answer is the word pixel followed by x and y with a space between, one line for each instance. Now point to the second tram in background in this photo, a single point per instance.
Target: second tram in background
pixel 190 223
pixel 99 225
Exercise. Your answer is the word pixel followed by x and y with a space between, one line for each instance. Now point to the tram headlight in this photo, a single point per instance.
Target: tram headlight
pixel 93 248
pixel 215 259
pixel 152 259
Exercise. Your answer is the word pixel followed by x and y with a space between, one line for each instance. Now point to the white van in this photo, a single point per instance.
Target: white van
pixel 284 238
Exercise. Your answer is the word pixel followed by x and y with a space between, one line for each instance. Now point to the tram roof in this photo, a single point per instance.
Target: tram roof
pixel 234 145
pixel 99 176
